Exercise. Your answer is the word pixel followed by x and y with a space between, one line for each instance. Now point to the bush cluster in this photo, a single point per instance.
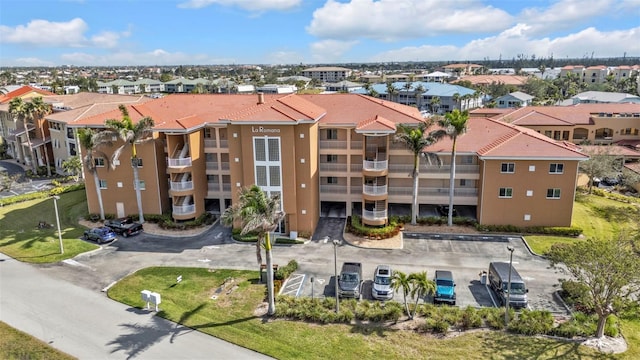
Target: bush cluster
pixel 575 294
pixel 537 322
pixel 40 194
pixel 285 271
pixel 166 222
pixel 543 230
pixel 323 310
pixel 355 226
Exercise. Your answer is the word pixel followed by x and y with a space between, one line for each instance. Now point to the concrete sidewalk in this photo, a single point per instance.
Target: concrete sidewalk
pixel 88 325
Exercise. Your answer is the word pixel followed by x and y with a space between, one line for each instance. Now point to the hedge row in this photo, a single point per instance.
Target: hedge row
pixel 355 226
pixel 40 194
pixel 544 230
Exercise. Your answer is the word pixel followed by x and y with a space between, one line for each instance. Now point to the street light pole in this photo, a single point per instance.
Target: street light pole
pixel 55 205
pixel 506 313
pixel 335 263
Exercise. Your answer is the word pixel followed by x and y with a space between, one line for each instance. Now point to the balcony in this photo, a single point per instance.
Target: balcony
pixel 212 165
pixel 178 163
pixel 181 185
pixel 224 144
pixel 333 189
pixel 333 144
pixel 375 190
pixel 336 167
pixel 210 143
pixel 374 165
pixel 374 215
pixel 184 209
pixel 355 145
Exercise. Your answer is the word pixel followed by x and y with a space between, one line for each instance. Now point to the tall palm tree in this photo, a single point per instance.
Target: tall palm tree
pixel 36 109
pixel 456 100
pixel 420 287
pixel 130 134
pixel 18 109
pixel 407 87
pixel 90 141
pixel 454 124
pixel 415 140
pixel 391 91
pixel 435 104
pixel 258 213
pixel 402 281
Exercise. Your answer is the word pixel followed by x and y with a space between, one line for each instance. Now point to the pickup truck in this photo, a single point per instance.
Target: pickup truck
pixel 350 280
pixel 124 226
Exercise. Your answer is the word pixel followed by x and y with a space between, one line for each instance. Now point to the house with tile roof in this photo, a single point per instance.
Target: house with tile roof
pixel 330 155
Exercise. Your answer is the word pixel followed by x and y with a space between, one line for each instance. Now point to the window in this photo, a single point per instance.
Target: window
pixel 70 133
pixel 142 185
pixel 332 180
pixel 99 162
pixel 506 193
pixel 467 159
pixel 72 149
pixel 332 134
pixel 332 158
pixel 103 184
pixel 556 168
pixel 508 168
pixel 553 193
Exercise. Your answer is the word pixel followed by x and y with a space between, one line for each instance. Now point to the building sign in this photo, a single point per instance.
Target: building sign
pixel 261 129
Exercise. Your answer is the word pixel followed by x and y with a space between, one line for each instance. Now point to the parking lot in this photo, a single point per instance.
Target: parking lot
pixel 465 256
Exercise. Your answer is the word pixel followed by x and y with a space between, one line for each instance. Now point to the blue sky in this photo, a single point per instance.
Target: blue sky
pixel 171 32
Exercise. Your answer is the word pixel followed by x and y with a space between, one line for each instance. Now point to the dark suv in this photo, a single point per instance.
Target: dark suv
pixel 124 226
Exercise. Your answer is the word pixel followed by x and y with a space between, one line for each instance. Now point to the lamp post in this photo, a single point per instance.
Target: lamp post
pixel 55 205
pixel 335 262
pixel 506 313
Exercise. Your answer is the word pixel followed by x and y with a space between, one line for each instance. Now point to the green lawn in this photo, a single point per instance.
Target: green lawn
pixel 14 344
pixel 232 317
pixel 21 239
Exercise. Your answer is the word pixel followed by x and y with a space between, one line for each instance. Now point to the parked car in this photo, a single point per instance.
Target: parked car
pixel 350 280
pixel 124 226
pixel 381 288
pixel 100 234
pixel 445 288
pixel 443 210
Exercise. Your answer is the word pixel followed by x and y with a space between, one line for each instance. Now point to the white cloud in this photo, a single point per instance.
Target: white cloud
pixel 514 41
pixel 46 33
pixel 389 20
pixel 285 57
pixel 31 61
pixel 564 14
pixel 154 57
pixel 250 5
pixel 330 50
pixel 106 39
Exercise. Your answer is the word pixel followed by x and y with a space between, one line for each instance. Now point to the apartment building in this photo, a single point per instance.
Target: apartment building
pixel 599 124
pixel 327 73
pixel 334 151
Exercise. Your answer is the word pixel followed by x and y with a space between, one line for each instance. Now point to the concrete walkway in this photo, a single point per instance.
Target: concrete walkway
pixel 87 325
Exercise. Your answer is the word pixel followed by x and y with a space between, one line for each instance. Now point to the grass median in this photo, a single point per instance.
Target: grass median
pixel 14 344
pixel 22 239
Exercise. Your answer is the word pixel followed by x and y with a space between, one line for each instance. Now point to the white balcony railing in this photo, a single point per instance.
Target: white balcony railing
pixel 374 189
pixel 374 165
pixel 182 162
pixel 374 214
pixel 209 143
pixel 333 144
pixel 213 187
pixel 212 165
pixel 333 167
pixel 181 185
pixel 184 209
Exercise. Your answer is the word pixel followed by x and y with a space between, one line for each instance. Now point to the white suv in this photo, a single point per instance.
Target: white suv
pixel 381 288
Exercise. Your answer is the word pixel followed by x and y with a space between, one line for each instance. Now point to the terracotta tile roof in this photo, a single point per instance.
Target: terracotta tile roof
pixel 351 109
pixel 489 138
pixel 79 114
pixel 634 166
pixel 613 150
pixel 377 124
pixel 23 91
pixel 289 108
pixel 489 79
pixel 580 114
pixel 81 99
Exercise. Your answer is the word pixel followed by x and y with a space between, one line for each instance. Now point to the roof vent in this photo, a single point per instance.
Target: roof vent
pixel 260 98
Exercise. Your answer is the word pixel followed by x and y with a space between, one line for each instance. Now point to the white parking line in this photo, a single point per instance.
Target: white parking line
pixel 295 281
pixel 491 295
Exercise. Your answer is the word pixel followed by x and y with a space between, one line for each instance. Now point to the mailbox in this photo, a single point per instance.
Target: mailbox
pixel 145 294
pixel 154 298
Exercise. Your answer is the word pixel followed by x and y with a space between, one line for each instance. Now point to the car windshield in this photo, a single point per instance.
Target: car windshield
pixel 349 277
pixel 383 280
pixel 441 282
pixel 516 288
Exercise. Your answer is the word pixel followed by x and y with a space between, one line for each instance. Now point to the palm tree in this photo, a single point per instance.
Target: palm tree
pixel 90 141
pixel 73 167
pixel 454 124
pixel 130 134
pixel 391 91
pixel 456 99
pixel 420 287
pixel 418 91
pixel 18 109
pixel 435 104
pixel 407 88
pixel 258 213
pixel 35 110
pixel 416 139
pixel 402 281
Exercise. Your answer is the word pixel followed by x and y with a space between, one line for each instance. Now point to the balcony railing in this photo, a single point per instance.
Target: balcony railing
pixel 374 214
pixel 356 167
pixel 333 167
pixel 181 185
pixel 430 191
pixel 184 209
pixel 224 165
pixel 356 144
pixel 333 189
pixel 333 144
pixel 213 187
pixel 374 165
pixel 212 165
pixel 226 187
pixel 224 144
pixel 182 162
pixel 374 189
pixel 209 143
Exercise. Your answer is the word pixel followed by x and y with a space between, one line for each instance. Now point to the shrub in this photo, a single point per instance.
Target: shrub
pixel 355 227
pixel 286 271
pixel 470 318
pixel 580 324
pixel 575 294
pixel 536 322
pixel 543 230
pixel 611 326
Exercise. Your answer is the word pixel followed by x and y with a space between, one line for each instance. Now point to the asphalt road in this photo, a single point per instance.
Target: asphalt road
pixel 64 303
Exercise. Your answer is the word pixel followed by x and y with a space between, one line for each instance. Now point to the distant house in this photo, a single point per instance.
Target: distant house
pixel 601 97
pixel 461 69
pixel 277 89
pixel 514 100
pixel 342 86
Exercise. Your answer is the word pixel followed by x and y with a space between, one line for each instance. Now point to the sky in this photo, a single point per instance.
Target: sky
pixel 210 32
